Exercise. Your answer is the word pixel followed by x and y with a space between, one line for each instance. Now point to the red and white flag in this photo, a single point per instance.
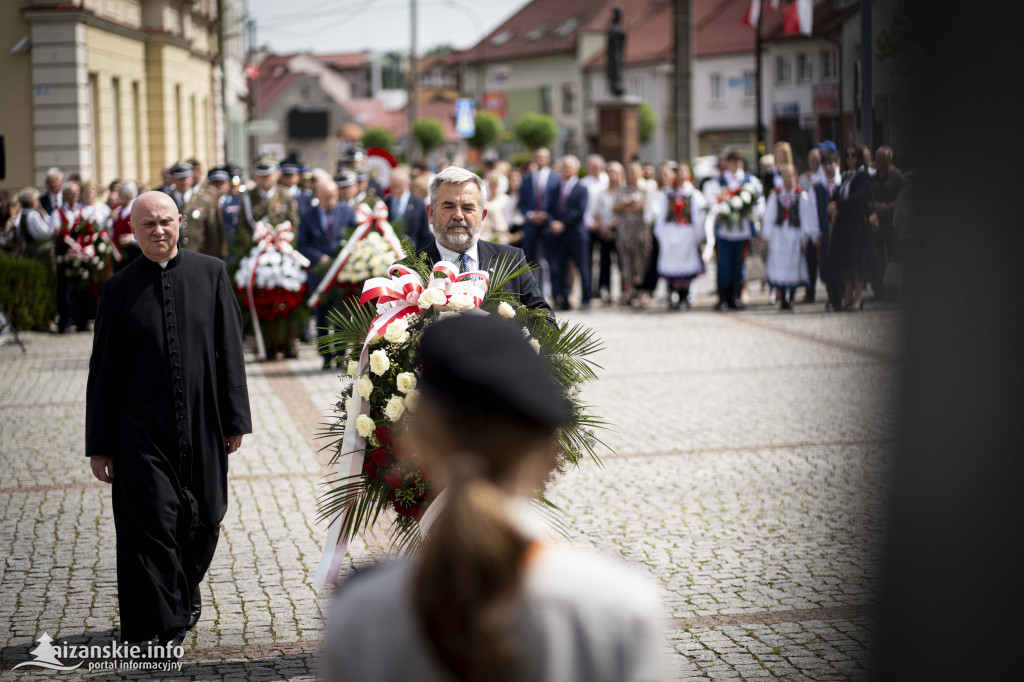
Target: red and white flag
pixel 752 14
pixel 798 17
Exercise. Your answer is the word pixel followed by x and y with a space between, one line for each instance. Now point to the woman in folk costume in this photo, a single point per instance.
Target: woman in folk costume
pixel 492 596
pixel 679 227
pixel 790 227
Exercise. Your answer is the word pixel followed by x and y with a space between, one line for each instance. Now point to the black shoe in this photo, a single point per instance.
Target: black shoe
pixel 196 610
pixel 291 353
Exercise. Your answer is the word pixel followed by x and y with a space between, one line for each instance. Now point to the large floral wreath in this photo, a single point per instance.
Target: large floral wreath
pixel 271 283
pixel 85 253
pixel 374 466
pixel 370 257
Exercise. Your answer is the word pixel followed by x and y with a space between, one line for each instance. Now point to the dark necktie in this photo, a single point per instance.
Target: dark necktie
pixel 330 223
pixel 463 261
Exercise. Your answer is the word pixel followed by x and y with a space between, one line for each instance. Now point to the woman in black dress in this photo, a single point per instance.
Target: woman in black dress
pixel 851 257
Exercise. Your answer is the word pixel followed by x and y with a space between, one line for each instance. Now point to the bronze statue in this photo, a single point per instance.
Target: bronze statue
pixel 616 54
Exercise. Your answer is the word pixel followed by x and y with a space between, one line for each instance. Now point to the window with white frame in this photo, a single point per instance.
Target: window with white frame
pixel 804 67
pixel 716 87
pixel 783 70
pixel 749 85
pixel 829 64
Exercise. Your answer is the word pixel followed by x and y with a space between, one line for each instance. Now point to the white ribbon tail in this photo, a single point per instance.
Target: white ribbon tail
pixel 709 232
pixel 339 262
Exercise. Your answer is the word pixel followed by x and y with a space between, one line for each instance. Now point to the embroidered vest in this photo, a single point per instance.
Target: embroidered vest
pixel 790 212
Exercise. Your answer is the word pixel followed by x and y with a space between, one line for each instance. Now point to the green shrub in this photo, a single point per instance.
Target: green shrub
pixel 28 290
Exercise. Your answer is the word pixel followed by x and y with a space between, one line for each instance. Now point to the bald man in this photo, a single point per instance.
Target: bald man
pixel 166 403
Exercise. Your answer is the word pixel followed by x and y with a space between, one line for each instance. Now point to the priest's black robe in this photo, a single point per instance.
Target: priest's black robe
pixel 166 386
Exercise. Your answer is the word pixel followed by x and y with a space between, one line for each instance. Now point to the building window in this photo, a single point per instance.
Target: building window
pixel 783 70
pixel 568 99
pixel 749 85
pixel 716 87
pixel 804 67
pixel 545 99
pixel 829 65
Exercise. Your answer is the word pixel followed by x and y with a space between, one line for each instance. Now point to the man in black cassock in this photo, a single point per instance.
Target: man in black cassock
pixel 166 404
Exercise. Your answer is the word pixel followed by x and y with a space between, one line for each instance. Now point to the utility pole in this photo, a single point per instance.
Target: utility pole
pixel 253 87
pixel 683 101
pixel 762 149
pixel 867 115
pixel 413 99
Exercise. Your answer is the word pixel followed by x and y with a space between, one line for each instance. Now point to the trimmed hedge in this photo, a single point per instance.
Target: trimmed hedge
pixel 28 291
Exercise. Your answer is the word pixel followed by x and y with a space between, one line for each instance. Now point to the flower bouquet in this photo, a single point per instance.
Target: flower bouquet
pixel 377 470
pixel 85 252
pixel 271 283
pixel 739 204
pixel 370 257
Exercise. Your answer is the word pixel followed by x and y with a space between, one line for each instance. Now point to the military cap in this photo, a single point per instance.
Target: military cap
pixel 180 169
pixel 362 174
pixel 345 178
pixel 481 366
pixel 266 167
pixel 305 171
pixel 290 166
pixel 218 174
pixel 355 153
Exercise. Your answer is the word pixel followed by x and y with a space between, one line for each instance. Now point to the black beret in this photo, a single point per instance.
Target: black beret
pixel 181 170
pixel 479 364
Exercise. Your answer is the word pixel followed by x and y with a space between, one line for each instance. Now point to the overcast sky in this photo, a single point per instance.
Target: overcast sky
pixel 336 26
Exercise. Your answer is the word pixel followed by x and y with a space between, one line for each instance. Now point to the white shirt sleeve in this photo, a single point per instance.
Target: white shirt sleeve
pixel 38 227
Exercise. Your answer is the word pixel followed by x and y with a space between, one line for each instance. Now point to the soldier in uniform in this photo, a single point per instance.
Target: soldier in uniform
pixel 231 209
pixel 180 189
pixel 267 202
pixel 203 227
pixel 289 181
pixel 347 187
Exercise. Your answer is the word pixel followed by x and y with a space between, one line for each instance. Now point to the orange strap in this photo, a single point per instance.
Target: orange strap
pixel 529 555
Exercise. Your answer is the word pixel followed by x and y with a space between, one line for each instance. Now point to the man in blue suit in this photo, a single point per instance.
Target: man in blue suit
pixel 408 211
pixel 320 240
pixel 568 238
pixel 540 188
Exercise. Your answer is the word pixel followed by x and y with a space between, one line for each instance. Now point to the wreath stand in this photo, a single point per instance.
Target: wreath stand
pixel 5 324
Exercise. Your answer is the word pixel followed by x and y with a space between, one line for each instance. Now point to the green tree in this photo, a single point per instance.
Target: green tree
pixel 429 133
pixel 648 122
pixel 536 130
pixel 489 129
pixel 378 136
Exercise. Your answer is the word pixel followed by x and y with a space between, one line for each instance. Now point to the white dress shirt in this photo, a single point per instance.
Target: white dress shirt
pixel 472 255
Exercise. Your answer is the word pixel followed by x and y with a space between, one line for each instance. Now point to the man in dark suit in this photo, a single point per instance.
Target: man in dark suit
pixel 456 210
pixel 823 193
pixel 569 238
pixel 320 240
pixel 52 198
pixel 540 188
pixel 408 211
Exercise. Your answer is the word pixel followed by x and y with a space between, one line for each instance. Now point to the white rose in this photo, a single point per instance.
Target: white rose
pixel 348 405
pixel 506 311
pixel 364 387
pixel 395 408
pixel 725 208
pixel 353 368
pixel 406 381
pixel 745 196
pixel 412 399
pixel 432 297
pixel 364 425
pixel 379 362
pixel 736 202
pixel 396 329
pixel 748 187
pixel 535 344
pixel 461 302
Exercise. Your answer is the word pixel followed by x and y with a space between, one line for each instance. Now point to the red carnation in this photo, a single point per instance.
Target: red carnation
pixel 392 495
pixel 395 478
pixel 370 469
pixel 384 435
pixel 379 457
pixel 416 512
pixel 403 510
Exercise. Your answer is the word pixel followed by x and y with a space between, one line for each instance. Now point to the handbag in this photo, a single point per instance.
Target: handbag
pixel 893 276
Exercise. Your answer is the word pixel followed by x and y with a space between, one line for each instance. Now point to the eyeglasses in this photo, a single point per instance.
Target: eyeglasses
pixel 851 155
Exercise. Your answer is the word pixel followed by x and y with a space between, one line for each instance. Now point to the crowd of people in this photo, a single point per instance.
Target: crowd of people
pixel 840 218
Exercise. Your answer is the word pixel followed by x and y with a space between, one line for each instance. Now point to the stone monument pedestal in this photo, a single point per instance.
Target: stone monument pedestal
pixel 618 128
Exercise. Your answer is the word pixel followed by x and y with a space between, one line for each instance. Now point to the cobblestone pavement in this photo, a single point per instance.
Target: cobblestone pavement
pixel 745 475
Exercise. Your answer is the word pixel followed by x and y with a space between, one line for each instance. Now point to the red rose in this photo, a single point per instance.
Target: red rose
pixel 379 457
pixel 425 470
pixel 370 469
pixel 401 448
pixel 395 478
pixel 416 512
pixel 392 496
pixel 384 435
pixel 403 510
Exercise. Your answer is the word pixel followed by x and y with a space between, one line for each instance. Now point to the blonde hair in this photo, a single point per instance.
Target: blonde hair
pixel 783 149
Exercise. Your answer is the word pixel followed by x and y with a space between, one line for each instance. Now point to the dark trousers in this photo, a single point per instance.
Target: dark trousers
pixel 529 242
pixel 569 246
pixel 812 270
pixel 650 280
pixel 730 270
pixel 604 251
pixel 65 304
